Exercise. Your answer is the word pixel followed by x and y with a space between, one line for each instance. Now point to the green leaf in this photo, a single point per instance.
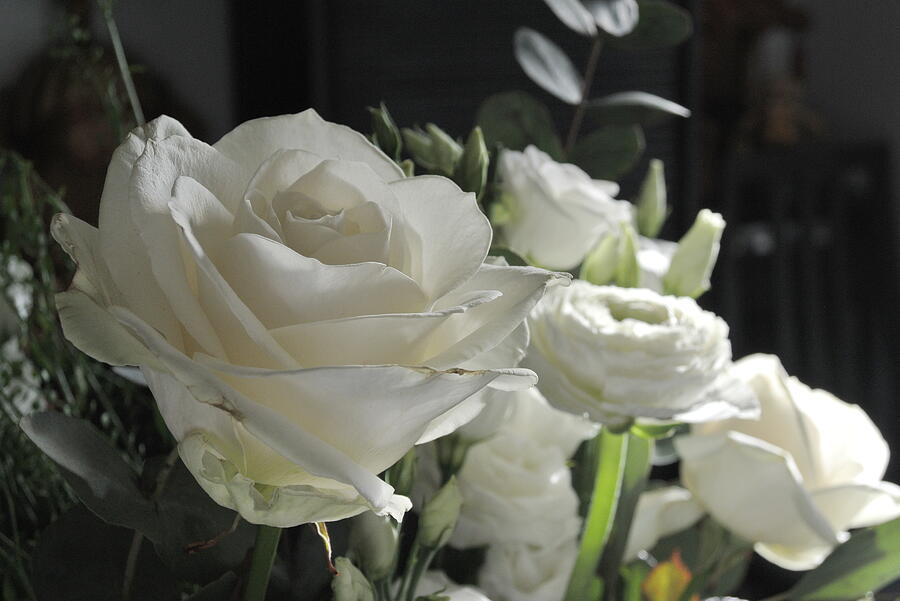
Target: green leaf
pixel 472 169
pixel 642 108
pixel 81 558
pixel 869 561
pixel 615 17
pixel 662 24
pixel 386 133
pixel 547 65
pixel 517 119
pixel 575 16
pixel 193 536
pixel 92 467
pixel 610 152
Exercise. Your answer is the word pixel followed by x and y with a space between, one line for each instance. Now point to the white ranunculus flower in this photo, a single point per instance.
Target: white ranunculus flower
pixel 797 479
pixel 516 486
pixel 521 572
pixel 300 310
pixel 620 353
pixel 659 513
pixel 555 212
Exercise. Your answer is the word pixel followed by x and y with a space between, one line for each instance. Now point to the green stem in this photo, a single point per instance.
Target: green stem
pixel 261 563
pixel 123 64
pixel 598 523
pixel 588 80
pixel 635 472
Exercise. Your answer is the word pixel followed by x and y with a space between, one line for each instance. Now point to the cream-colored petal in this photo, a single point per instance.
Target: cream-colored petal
pixel 284 288
pixel 483 328
pixel 254 141
pixel 447 234
pixel 659 513
pixel 753 488
pixel 81 241
pixel 858 505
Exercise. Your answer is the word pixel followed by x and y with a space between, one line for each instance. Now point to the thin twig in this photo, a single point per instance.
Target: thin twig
pixel 123 63
pixel 589 72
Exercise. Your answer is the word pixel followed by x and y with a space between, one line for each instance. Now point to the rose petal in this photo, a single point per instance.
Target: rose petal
pixel 283 288
pixel 448 235
pixel 254 141
pixel 858 505
pixel 660 512
pixel 484 327
pixel 81 241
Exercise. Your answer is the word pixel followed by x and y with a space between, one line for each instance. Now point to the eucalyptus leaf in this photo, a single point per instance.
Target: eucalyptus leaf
pixel 662 24
pixel 609 152
pixel 867 562
pixel 547 65
pixel 223 588
pixel 93 468
pixel 81 558
pixel 575 16
pixel 517 119
pixel 615 17
pixel 641 108
pixel 512 258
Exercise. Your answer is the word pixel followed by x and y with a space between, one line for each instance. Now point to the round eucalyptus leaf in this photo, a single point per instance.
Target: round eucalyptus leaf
pixel 517 119
pixel 547 65
pixel 639 108
pixel 93 468
pixel 615 17
pixel 82 558
pixel 609 152
pixel 662 24
pixel 575 16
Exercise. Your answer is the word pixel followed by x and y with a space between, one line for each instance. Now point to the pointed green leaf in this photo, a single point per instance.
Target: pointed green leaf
pixel 609 152
pixel 626 108
pixel 547 65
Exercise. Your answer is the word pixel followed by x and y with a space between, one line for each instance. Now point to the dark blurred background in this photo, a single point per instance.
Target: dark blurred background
pixel 794 137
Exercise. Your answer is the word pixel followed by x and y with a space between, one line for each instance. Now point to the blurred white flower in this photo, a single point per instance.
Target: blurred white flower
pixel 522 572
pixel 553 213
pixel 622 353
pixel 20 386
pixel 797 479
pixel 435 582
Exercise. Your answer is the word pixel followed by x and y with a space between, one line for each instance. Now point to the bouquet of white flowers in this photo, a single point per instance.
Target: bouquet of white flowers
pixel 406 366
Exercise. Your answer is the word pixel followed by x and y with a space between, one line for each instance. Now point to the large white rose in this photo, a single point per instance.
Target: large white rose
pixel 620 353
pixel 794 481
pixel 555 212
pixel 299 308
pixel 516 486
pixel 521 572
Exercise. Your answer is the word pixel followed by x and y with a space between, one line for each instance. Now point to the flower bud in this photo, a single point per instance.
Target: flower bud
pixel 433 149
pixel 651 202
pixel 440 515
pixel 628 274
pixel 349 584
pixel 373 543
pixel 386 135
pixel 599 266
pixel 695 257
pixel 471 173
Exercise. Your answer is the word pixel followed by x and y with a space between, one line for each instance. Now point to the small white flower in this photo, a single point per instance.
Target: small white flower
pixel 621 353
pixel 797 479
pixel 555 212
pixel 521 572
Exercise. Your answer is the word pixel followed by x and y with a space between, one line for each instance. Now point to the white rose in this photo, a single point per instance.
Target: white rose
pixel 299 308
pixel 516 486
pixel 794 481
pixel 555 212
pixel 437 583
pixel 517 572
pixel 659 513
pixel 620 353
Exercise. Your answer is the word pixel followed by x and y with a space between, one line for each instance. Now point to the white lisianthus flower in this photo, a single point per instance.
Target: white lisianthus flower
pixel 528 573
pixel 516 486
pixel 437 583
pixel 300 309
pixel 659 513
pixel 621 353
pixel 653 258
pixel 553 213
pixel 797 479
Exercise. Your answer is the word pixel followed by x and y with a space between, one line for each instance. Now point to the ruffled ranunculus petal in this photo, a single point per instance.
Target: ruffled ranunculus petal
pixel 470 334
pixel 754 487
pixel 659 513
pixel 254 141
pixel 441 221
pixel 282 287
